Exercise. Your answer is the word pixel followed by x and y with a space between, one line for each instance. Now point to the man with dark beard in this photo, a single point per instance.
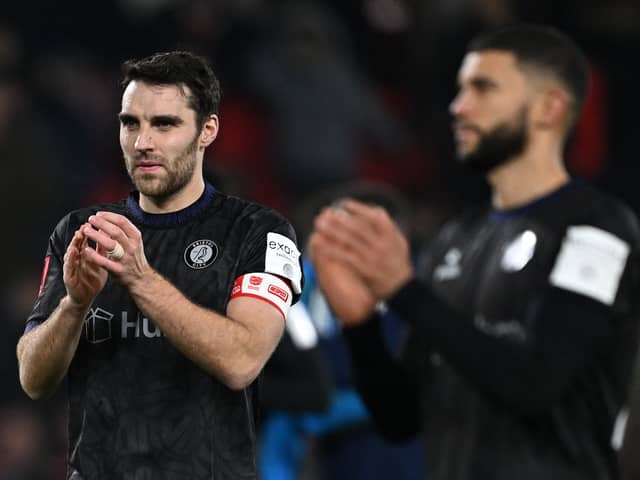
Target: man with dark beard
pixel 162 308
pixel 523 313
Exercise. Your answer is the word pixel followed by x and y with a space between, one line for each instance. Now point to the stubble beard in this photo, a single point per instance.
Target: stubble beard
pixel 498 146
pixel 174 176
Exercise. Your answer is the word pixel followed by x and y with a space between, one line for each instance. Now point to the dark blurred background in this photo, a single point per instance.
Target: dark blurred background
pixel 315 94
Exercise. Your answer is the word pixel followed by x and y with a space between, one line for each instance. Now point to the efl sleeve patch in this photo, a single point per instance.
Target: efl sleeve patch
pixel 281 258
pixel 265 287
pixel 590 262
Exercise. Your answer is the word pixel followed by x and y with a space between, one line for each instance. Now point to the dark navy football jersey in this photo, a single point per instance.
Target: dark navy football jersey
pixel 524 326
pixel 514 276
pixel 138 407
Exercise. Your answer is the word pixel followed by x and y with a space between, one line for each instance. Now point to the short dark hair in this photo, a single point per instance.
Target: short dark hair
pixel 544 48
pixel 182 69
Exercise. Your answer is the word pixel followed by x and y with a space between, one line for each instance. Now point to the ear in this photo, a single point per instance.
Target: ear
pixel 551 108
pixel 209 131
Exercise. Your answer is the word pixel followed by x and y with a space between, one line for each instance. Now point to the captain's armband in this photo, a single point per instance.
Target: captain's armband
pixel 265 287
pixel 590 262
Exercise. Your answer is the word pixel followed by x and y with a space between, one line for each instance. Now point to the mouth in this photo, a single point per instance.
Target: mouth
pixel 148 167
pixel 464 132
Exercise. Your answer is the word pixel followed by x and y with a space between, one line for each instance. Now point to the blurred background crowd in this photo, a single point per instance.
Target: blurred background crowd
pixel 316 96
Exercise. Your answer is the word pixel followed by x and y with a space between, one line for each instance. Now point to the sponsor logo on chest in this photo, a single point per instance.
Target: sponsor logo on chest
pixel 98 326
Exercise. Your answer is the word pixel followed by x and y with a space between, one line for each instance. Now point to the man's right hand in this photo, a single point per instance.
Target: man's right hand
pixel 82 278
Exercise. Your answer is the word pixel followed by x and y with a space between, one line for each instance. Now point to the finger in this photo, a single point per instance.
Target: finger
pixel 111 229
pixel 364 218
pixel 325 248
pixel 129 229
pixel 67 253
pixel 96 260
pixel 76 241
pixel 376 230
pixel 74 247
pixel 71 258
pixel 84 242
pixel 89 260
pixel 356 207
pixel 345 229
pixel 316 246
pixel 341 234
pixel 71 269
pixel 377 216
pixel 104 241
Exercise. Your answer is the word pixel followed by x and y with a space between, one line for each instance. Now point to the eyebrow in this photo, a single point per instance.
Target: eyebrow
pixel 125 117
pixel 481 82
pixel 155 120
pixel 166 119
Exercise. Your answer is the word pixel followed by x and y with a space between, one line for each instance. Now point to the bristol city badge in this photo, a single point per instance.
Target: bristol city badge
pixel 200 254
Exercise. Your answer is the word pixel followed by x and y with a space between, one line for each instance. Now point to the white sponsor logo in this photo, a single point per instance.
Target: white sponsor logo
pixel 519 252
pixel 511 329
pixel 200 254
pixel 141 326
pixel 591 262
pixel 282 259
pixel 451 268
pixel 98 326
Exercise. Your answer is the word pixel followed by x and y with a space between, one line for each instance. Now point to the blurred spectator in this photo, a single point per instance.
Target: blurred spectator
pixel 81 104
pixel 295 382
pixel 341 442
pixel 32 437
pixel 34 158
pixel 322 109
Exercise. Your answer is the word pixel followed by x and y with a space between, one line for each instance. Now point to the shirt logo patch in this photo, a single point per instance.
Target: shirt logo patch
pixel 450 268
pixel 282 258
pixel 97 325
pixel 519 252
pixel 591 262
pixel 200 254
pixel 278 292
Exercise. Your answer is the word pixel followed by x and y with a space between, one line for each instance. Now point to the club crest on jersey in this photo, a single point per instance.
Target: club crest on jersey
pixel 200 254
pixel 519 252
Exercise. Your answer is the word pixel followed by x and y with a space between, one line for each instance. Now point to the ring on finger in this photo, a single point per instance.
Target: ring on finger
pixel 117 253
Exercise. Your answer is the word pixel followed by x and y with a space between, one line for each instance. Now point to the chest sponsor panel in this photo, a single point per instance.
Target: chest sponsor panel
pixel 101 325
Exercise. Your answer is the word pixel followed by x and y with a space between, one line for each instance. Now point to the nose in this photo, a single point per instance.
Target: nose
pixel 460 104
pixel 144 140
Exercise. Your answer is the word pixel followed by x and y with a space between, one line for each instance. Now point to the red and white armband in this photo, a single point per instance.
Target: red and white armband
pixel 264 286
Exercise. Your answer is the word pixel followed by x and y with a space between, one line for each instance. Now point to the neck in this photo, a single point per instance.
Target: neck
pixel 534 174
pixel 177 201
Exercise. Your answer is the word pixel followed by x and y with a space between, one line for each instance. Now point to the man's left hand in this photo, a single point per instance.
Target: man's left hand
pixel 109 228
